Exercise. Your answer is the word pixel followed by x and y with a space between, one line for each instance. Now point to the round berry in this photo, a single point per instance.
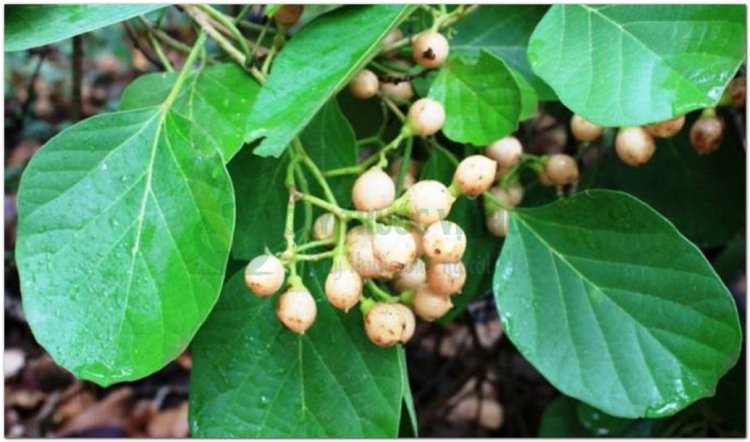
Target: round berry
pixel 561 169
pixel 426 117
pixel 634 146
pixel 364 85
pixel 666 129
pixel 430 306
pixel 584 130
pixel 410 323
pixel 343 284
pixel 394 246
pixel 444 241
pixel 506 151
pixel 324 227
pixel 384 324
pixel 373 190
pixel 392 37
pixel 288 15
pixel 430 49
pixel 412 277
pixel 544 179
pixel 497 223
pixel 475 174
pixel 446 278
pixel 296 309
pixel 706 134
pixel 264 275
pixel 428 201
pixel 515 194
pixel 502 194
pixel 359 249
pixel 397 90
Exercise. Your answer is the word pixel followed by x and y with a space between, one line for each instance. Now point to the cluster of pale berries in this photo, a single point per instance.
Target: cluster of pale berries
pixel 419 254
pixel 635 145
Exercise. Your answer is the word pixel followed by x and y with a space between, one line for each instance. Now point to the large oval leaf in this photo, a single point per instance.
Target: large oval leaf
pixel 253 378
pixel 125 223
pixel 27 26
pixel 613 306
pixel 316 63
pixel 626 65
pixel 481 97
pixel 218 96
pixel 504 31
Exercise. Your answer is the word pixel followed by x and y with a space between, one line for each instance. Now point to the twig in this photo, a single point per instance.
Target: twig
pixel 164 37
pixel 77 76
pixel 150 56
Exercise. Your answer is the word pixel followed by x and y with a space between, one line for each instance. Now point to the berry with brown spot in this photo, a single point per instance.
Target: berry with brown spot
pixel 447 278
pixel 666 129
pixel 475 174
pixel 706 134
pixel 444 241
pixel 430 306
pixel 296 309
pixel 430 49
pixel 264 275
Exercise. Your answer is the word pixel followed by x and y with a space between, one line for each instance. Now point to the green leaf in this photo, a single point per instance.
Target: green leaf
pixel 253 378
pixel 504 31
pixel 28 26
pixel 409 427
pixel 330 142
pixel 125 224
pixel 316 63
pixel 261 203
pixel 529 97
pixel 560 419
pixel 627 65
pixel 217 97
pixel 613 306
pixel 703 195
pixel 482 99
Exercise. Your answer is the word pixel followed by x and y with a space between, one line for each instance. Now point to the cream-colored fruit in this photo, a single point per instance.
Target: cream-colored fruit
pixel 324 227
pixel 475 174
pixel 410 323
pixel 430 306
pixel 444 241
pixel 296 309
pixel 430 49
pixel 373 190
pixel 429 201
pixel 359 247
pixel 497 223
pixel 634 146
pixel 584 130
pixel 666 129
pixel 343 284
pixel 562 169
pixel 394 246
pixel 506 151
pixel 384 324
pixel 446 278
pixel 412 277
pixel 397 90
pixel 426 117
pixel 364 85
pixel 515 193
pixel 264 275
